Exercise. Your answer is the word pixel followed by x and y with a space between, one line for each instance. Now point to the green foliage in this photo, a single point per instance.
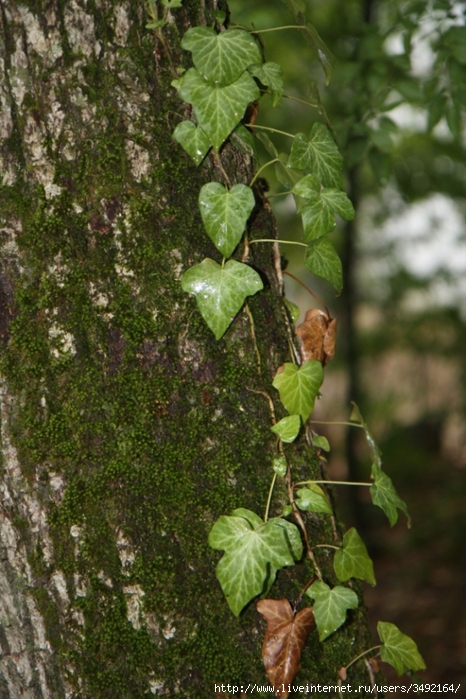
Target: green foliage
pixel 331 606
pixel 398 649
pixel 384 495
pixel 224 213
pixel 318 153
pixel 220 290
pixel 313 499
pixel 299 387
pixel 254 551
pixel 193 139
pixel 352 560
pixel 288 428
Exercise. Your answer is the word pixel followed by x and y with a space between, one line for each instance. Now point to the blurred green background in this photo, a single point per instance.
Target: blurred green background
pixel 396 103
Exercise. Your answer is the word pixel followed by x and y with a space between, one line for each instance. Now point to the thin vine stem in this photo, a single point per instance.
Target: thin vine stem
pixel 268 128
pixel 275 240
pixel 277 29
pixel 331 483
pixel 335 422
pixel 326 546
pixel 269 499
pixel 275 160
pixel 307 288
pixel 361 655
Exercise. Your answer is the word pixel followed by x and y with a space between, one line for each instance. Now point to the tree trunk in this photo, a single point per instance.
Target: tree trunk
pixel 126 428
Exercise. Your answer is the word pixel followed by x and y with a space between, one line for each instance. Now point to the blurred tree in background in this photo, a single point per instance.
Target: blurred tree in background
pixel 396 102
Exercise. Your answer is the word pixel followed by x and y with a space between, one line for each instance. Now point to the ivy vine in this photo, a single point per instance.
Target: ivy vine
pixel 229 73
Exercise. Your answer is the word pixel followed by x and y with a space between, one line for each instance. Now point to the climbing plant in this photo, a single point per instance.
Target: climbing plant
pixel 229 75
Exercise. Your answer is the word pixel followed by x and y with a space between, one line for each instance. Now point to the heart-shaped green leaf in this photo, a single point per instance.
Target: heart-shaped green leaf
pixel 320 442
pixel 313 499
pixel 384 495
pixel 288 428
pixel 322 259
pixel 254 551
pixel 221 58
pixel 320 154
pixel 224 213
pixel 352 560
pixel 299 386
pixel 271 75
pixel 398 649
pixel 218 109
pixel 193 139
pixel 330 606
pixel 318 206
pixel 286 175
pixel 220 290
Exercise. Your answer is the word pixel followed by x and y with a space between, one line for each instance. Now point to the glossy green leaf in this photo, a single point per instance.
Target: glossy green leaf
pixel 172 4
pixel 254 551
pixel 224 213
pixel 313 499
pixel 299 387
pixel 271 75
pixel 287 176
pixel 352 560
pixel 218 109
pixel 220 290
pixel 322 259
pixel 330 606
pixel 280 466
pixel 398 649
pixel 319 206
pixel 318 218
pixel 288 428
pixel 384 495
pixel 293 309
pixel 193 139
pixel 221 58
pixel 320 154
pixel 320 442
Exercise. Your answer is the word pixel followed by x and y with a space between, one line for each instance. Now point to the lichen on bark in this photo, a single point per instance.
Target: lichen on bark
pixel 126 428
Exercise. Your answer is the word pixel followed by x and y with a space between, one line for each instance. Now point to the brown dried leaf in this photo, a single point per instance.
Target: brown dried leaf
pixel 342 674
pixel 317 335
pixel 374 663
pixel 284 640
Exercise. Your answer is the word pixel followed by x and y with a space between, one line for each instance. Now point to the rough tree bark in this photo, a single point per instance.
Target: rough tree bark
pixel 126 428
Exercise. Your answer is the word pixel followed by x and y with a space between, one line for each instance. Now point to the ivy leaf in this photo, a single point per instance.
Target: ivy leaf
pixel 320 154
pixel 322 259
pixel 293 309
pixel 357 418
pixel 221 58
pixel 267 143
pixel 287 176
pixel 330 606
pixel 299 387
pixel 384 495
pixel 313 499
pixel 193 139
pixel 254 551
pixel 280 466
pixel 284 640
pixel 220 290
pixel 271 75
pixel 323 53
pixel 218 109
pixel 320 442
pixel 318 218
pixel 288 428
pixel 352 560
pixel 224 213
pixel 398 649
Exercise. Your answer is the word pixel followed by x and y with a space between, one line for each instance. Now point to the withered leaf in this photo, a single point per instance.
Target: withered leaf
pixel 284 641
pixel 317 335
